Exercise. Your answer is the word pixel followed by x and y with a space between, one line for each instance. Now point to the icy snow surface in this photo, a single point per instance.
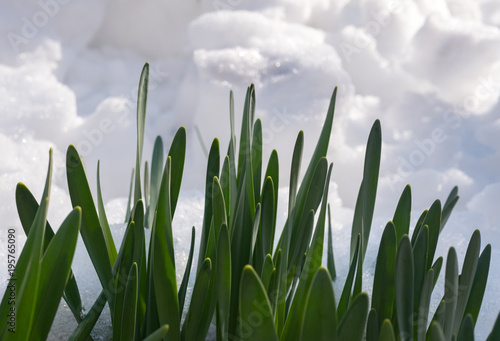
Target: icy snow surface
pixel 430 70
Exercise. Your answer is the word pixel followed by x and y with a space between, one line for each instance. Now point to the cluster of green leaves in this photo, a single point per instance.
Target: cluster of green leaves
pixel 251 286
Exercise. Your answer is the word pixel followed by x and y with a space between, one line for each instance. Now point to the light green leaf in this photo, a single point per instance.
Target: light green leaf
pixel 383 281
pixel 404 289
pixel 254 304
pixel 352 325
pixel 321 306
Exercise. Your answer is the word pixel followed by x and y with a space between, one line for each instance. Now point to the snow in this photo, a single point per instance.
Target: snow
pixel 430 70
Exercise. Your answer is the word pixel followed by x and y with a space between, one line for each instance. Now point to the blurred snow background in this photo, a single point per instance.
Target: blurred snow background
pixel 430 70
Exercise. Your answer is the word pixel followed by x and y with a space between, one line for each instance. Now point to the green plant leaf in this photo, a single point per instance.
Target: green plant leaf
pixel 212 171
pixel 91 230
pixel 257 159
pixel 404 289
pixel 178 154
pixel 195 316
pixel 103 220
pixel 402 215
pixel 187 271
pixel 387 331
pixel 55 268
pixel 372 326
pixel 352 325
pixel 156 172
pixel 435 333
pixel 330 258
pixel 383 281
pixel 267 271
pixel 142 98
pixel 321 305
pixel 27 207
pixel 479 285
pixel 466 278
pixel 82 332
pixel 466 332
pixel 165 282
pixel 419 266
pixel 346 292
pixel 425 299
pixel 450 292
pixel 128 322
pixel 254 304
pixel 223 283
pixel 433 220
pixel 449 205
pixel 265 238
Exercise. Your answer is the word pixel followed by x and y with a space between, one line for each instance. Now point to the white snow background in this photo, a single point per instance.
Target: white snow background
pixel 429 70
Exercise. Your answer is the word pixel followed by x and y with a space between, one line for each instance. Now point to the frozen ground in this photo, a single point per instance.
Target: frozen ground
pixel 430 70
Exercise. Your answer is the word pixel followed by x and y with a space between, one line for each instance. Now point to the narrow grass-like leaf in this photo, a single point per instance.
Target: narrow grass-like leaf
pixel 301 236
pixel 272 171
pixel 265 238
pixel 254 303
pixel 425 299
pixel 218 207
pixel 312 263
pixel 156 170
pixel 91 230
pixel 370 182
pixel 433 220
pixel 383 281
pixel 346 292
pixel 27 207
pixel 212 171
pixel 435 332
pixel 128 322
pixel 195 316
pixel 352 325
pixel 54 273
pixel 418 226
pixel 103 220
pixel 450 292
pixel 257 158
pixel 267 271
pixel 319 153
pixel 223 283
pixel 372 326
pixel 466 332
pixel 178 154
pixel 142 98
pixel 403 214
pixel 187 271
pixel 466 278
pixel 479 284
pixel 165 282
pixel 438 264
pixel 321 305
pixel 82 332
pixel 330 261
pixel 28 270
pixel 387 331
pixel 404 289
pixel 419 265
pixel 449 205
